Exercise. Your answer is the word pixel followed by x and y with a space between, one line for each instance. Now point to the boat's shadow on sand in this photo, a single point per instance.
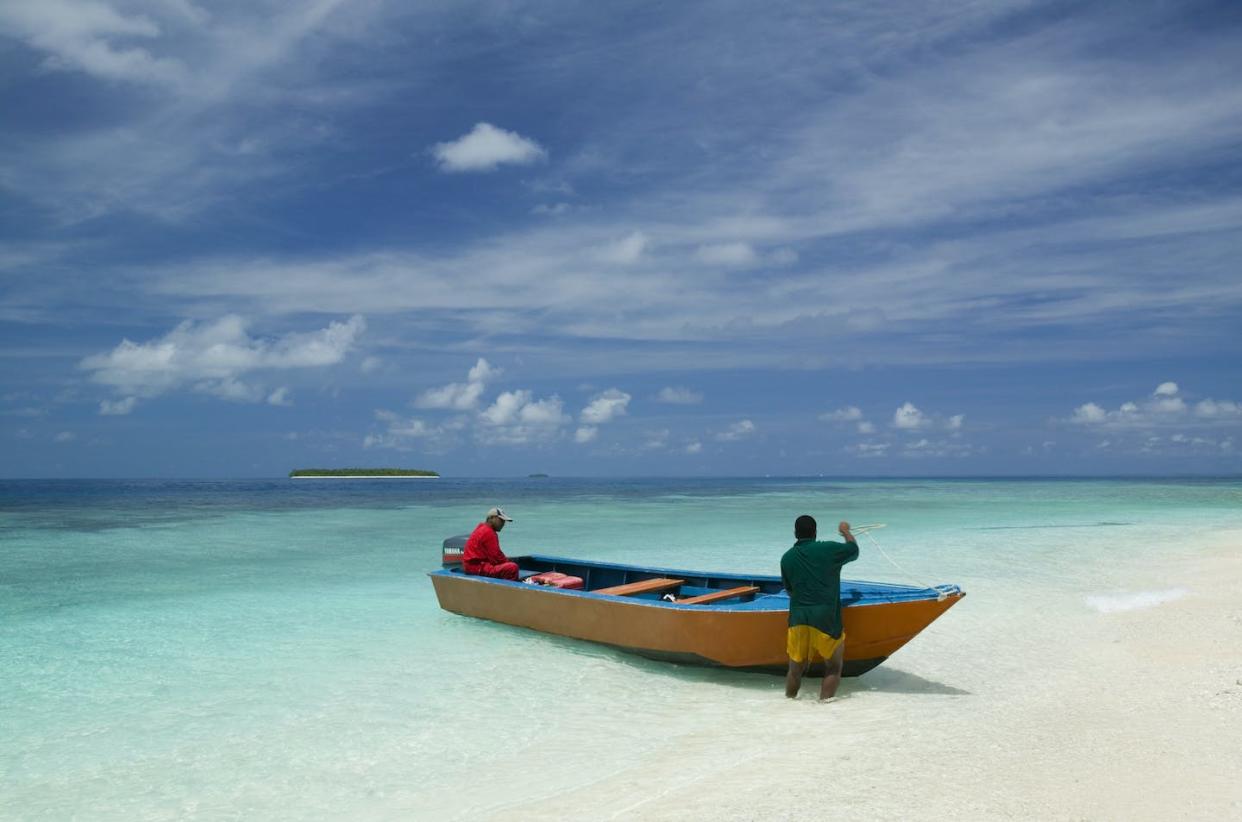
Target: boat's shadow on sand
pixel 885 679
pixel 891 680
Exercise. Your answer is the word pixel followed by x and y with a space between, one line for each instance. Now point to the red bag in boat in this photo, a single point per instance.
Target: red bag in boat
pixel 555 579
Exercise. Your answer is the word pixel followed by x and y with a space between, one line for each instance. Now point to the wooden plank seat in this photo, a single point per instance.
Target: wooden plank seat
pixel 717 596
pixel 645 586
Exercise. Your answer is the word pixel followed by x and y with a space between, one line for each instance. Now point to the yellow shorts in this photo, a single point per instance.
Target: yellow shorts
pixel 806 644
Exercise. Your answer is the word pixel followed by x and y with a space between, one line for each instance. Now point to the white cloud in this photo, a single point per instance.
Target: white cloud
pixel 727 254
pixel 695 447
pixel 1180 443
pixel 117 408
pixel 1168 405
pixel 93 37
pixel 506 407
pixel 910 418
pixel 483 371
pixel 543 412
pixel 550 284
pixel 737 431
pixel 280 397
pixel 225 98
pixel 516 418
pixel 679 395
pixel 210 357
pixel 848 414
pixel 407 426
pixel 870 450
pixel 626 251
pixel 1089 413
pixel 656 440
pixel 65 436
pixel 231 389
pixel 926 447
pixel 604 406
pixel 370 365
pixel 485 148
pixel 460 396
pixel 1166 389
pixel 1218 409
pixel 1165 406
pixel 404 432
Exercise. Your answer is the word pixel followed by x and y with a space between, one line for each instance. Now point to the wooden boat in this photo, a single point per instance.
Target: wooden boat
pixel 729 620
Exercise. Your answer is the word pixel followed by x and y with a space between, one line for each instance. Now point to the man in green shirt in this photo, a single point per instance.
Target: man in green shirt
pixel 811 572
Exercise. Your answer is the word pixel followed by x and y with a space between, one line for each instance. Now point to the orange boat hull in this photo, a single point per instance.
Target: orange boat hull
pixel 730 638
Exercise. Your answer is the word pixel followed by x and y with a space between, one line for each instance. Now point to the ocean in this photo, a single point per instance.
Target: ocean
pixel 273 648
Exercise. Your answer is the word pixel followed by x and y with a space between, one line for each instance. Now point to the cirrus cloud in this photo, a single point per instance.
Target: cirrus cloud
pixel 625 251
pixel 403 433
pixel 727 254
pixel 117 408
pixel 93 38
pixel 679 395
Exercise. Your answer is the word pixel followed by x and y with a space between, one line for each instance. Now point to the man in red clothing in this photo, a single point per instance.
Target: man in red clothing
pixel 483 555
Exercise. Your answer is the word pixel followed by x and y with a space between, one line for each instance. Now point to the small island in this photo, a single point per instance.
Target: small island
pixel 361 473
pixel 536 476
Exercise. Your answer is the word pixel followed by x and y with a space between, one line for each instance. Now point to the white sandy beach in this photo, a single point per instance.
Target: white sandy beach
pixel 1126 704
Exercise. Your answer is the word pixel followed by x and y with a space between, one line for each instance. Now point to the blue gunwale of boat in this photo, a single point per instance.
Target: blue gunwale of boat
pixel 771 597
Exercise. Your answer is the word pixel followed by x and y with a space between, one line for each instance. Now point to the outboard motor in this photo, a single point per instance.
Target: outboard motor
pixel 453 551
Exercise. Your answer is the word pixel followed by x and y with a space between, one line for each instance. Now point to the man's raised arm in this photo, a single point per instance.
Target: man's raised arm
pixel 844 530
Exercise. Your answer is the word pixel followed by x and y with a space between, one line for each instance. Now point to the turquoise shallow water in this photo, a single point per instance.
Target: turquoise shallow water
pixel 274 649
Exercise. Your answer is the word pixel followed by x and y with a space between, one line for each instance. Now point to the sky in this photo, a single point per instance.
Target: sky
pixel 620 239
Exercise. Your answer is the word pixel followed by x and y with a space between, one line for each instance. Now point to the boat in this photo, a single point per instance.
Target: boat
pixel 714 619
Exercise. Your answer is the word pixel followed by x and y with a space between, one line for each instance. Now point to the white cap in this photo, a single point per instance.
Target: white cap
pixel 499 512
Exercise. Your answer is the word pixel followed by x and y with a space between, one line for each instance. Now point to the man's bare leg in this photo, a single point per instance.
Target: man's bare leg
pixel 832 673
pixel 793 679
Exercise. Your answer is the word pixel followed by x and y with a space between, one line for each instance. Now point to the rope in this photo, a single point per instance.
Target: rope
pixel 866 530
